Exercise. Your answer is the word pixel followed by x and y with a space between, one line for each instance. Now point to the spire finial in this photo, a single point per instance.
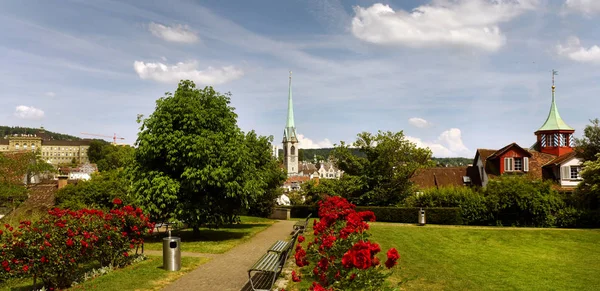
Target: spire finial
pixel 554 73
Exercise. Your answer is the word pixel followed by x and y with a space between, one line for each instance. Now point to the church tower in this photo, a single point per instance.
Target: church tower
pixel 290 141
pixel 555 137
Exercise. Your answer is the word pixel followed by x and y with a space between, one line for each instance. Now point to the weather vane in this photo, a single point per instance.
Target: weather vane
pixel 554 73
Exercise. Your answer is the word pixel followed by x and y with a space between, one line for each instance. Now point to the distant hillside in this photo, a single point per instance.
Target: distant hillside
pixel 7 130
pixel 309 155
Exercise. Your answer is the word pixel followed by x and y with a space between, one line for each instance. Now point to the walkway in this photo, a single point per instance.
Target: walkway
pixel 229 271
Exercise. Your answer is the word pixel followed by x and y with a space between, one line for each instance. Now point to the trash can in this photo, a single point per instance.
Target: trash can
pixel 171 253
pixel 421 217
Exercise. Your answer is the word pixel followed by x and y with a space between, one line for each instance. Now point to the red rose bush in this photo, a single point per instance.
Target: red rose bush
pixel 343 256
pixel 54 248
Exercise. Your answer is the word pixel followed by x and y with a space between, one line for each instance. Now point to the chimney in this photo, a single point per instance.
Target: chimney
pixel 62 181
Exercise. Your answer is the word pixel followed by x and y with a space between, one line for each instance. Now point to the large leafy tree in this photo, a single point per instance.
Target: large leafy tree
pixel 380 175
pixel 589 145
pixel 110 157
pixel 193 163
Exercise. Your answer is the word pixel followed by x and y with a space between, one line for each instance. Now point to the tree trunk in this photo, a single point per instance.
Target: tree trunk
pixel 196 231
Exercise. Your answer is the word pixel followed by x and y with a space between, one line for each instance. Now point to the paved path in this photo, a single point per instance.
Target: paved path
pixel 229 271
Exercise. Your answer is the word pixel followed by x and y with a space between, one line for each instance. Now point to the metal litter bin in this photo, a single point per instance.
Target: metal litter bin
pixel 421 217
pixel 171 253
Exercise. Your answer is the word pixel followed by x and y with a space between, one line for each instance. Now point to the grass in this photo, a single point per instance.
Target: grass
pixel 146 275
pixel 503 258
pixel 214 241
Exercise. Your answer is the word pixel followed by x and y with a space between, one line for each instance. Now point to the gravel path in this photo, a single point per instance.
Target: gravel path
pixel 229 271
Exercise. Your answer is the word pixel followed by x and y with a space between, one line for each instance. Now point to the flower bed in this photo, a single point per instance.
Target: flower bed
pixel 55 248
pixel 343 256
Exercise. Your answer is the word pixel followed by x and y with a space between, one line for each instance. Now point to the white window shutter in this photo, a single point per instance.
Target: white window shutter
pixel 506 164
pixel 525 164
pixel 565 173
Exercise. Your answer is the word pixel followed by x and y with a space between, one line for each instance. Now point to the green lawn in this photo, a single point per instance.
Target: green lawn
pixel 146 275
pixel 213 241
pixel 503 258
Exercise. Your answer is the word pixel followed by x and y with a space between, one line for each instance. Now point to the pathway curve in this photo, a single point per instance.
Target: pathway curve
pixel 229 271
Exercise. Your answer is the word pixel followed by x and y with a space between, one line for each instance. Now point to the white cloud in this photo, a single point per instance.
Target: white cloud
pixel 27 112
pixel 576 52
pixel 470 23
pixel 586 7
pixel 186 71
pixel 177 33
pixel 50 94
pixel 419 122
pixel 307 143
pixel 448 144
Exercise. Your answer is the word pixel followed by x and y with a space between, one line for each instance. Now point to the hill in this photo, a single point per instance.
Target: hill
pixel 8 130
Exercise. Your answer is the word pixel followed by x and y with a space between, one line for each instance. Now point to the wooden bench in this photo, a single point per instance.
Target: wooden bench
pixel 301 225
pixel 273 261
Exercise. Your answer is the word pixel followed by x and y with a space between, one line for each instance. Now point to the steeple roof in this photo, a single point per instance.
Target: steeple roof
pixel 554 122
pixel 289 132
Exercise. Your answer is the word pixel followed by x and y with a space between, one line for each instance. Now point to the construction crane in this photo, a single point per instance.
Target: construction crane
pixel 114 137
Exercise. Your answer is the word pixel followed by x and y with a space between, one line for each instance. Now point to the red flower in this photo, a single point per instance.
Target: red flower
pixel 362 259
pixel 25 268
pixel 69 242
pixel 300 238
pixel 44 259
pixel 295 277
pixel 392 258
pixel 117 201
pixel 1 232
pixel 126 254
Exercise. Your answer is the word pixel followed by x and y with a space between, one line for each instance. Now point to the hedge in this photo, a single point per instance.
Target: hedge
pixel 434 215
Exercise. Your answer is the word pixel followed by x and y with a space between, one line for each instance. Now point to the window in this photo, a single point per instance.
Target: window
pixel 25 146
pixel 563 139
pixel 571 140
pixel 555 138
pixel 17 146
pixel 575 172
pixel 508 164
pixel 543 142
pixel 293 150
pixel 518 164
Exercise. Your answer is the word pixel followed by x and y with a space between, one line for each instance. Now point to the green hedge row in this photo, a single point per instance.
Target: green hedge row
pixel 434 215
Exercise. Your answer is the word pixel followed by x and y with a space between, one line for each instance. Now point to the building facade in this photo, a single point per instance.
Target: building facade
pixel 53 151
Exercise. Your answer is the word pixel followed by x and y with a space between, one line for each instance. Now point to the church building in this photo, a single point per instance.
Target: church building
pixel 299 172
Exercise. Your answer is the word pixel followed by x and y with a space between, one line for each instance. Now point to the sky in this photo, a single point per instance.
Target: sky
pixel 453 75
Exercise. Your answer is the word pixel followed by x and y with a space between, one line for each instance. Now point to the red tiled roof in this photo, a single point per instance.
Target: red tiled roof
pixel 297 179
pixel 443 176
pixel 560 159
pixel 483 155
pixel 505 149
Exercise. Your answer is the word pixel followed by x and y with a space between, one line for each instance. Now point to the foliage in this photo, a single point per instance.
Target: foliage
pixel 451 162
pixel 193 163
pixel 15 169
pixel 381 177
pixel 520 201
pixel 588 191
pixel 53 249
pixel 343 256
pixel 98 192
pixel 110 157
pixel 6 131
pixel 472 203
pixel 589 145
pixel 434 215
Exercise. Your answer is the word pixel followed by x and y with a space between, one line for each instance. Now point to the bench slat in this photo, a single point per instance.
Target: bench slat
pixel 269 262
pixel 279 246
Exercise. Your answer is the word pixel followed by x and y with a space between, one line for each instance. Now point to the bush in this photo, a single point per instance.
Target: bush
pixel 98 192
pixel 343 256
pixel 55 247
pixel 515 200
pixel 447 215
pixel 471 202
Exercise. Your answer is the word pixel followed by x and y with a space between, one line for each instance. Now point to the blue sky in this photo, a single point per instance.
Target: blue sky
pixel 455 75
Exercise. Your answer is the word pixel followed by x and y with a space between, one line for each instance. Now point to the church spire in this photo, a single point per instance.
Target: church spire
pixel 290 128
pixel 554 121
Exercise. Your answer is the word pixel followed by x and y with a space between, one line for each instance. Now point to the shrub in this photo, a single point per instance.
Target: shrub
pixel 54 248
pixel 447 215
pixel 98 192
pixel 343 256
pixel 472 203
pixel 515 200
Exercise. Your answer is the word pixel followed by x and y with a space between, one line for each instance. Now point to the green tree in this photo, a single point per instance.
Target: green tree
pixel 193 163
pixel 98 192
pixel 588 191
pixel 381 176
pixel 110 157
pixel 95 150
pixel 589 145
